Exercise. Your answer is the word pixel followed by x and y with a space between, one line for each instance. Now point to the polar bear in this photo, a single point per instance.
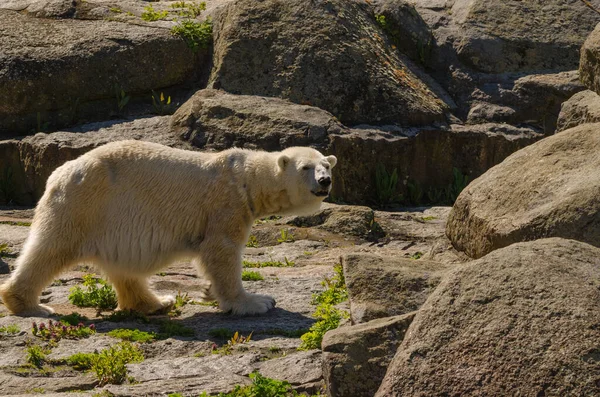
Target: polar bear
pixel 131 208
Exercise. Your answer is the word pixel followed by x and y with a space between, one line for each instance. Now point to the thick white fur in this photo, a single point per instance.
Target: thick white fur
pixel 132 208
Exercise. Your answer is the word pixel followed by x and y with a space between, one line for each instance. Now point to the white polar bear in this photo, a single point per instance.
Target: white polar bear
pixel 132 208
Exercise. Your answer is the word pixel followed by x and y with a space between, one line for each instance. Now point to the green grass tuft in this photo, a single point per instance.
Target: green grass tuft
pixel 98 293
pixel 133 335
pixel 249 275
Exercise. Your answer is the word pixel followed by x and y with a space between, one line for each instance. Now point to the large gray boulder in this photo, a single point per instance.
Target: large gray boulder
pixel 522 321
pixel 383 286
pixel 329 54
pixel 507 36
pixel 213 119
pixel 58 71
pixel 356 358
pixel 589 67
pixel 548 189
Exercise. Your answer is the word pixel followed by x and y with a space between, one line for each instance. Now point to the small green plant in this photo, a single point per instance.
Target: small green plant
pixel 260 387
pixel 5 251
pixel 11 329
pixel 36 390
pixel 195 34
pixel 459 182
pixel 13 223
pixel 209 303
pixel 267 219
pixel 435 196
pixel 171 328
pixel 81 361
pixel 428 218
pixel 221 333
pixel 36 355
pixel 249 275
pixel 189 9
pixel 73 319
pixel 56 330
pixel 161 106
pixel 286 237
pixel 133 335
pixel 328 317
pixel 252 242
pixel 98 294
pixel 110 364
pixel 386 185
pixel 235 340
pixel 271 263
pixel 127 315
pixel 415 193
pixel 122 98
pixel 40 126
pixel 416 255
pixel 180 301
pixel 150 15
pixel 116 10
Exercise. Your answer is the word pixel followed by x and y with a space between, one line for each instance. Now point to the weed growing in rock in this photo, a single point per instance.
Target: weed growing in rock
pixel 36 390
pixel 416 255
pixel 161 106
pixel 201 303
pixel 252 242
pixel 415 193
pixel 122 98
pixel 109 365
pixel 98 294
pixel 171 328
pixel 189 9
pixel 459 182
pixel 13 223
pixel 286 237
pixel 150 15
pixel 116 10
pixel 73 319
pixel 36 355
pixel 236 340
pixel 180 301
pixel 127 315
pixel 261 386
pixel 248 275
pixel 385 186
pixel 195 34
pixel 133 335
pixel 221 333
pixel 5 251
pixel 428 218
pixel 327 315
pixel 56 330
pixel 11 329
pixel 271 263
pixel 267 219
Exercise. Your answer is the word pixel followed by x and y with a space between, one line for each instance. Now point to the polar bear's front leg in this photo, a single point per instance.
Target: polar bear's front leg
pixel 221 264
pixel 134 294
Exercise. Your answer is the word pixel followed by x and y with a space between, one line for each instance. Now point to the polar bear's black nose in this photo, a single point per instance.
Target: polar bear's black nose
pixel 325 181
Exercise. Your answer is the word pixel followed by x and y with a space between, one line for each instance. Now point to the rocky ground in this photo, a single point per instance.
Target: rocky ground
pixel 186 364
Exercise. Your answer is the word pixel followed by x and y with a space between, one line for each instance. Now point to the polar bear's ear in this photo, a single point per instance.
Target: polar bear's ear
pixel 332 160
pixel 283 161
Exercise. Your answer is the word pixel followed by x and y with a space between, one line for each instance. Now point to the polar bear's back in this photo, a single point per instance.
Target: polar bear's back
pixel 137 194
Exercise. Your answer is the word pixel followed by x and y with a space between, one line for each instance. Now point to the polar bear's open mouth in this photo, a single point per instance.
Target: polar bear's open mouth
pixel 321 193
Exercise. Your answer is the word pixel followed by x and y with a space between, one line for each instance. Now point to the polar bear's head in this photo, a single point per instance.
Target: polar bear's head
pixel 306 174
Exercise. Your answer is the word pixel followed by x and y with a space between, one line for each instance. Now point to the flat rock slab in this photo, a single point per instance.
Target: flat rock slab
pixel 523 320
pixel 213 119
pixel 383 286
pixel 549 189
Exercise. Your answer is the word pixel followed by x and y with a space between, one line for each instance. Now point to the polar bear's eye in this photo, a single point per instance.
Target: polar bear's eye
pixel 306 168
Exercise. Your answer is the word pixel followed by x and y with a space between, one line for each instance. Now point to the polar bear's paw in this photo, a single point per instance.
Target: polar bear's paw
pixel 154 305
pixel 37 311
pixel 249 304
